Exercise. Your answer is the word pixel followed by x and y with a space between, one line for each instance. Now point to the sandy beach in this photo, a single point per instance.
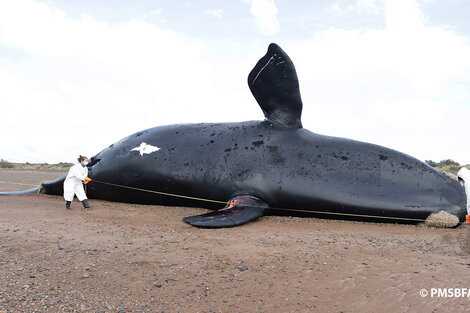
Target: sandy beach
pixel 143 258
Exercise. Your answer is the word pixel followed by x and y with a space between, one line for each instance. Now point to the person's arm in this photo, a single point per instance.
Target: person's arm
pixel 77 173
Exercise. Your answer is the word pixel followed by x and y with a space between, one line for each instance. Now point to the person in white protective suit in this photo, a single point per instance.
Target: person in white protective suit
pixel 73 184
pixel 464 180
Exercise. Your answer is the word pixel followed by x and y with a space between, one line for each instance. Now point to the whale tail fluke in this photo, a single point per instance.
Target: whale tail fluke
pixel 274 84
pixel 239 210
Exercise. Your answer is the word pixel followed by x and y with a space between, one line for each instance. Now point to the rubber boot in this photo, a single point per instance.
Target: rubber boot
pixel 67 205
pixel 86 205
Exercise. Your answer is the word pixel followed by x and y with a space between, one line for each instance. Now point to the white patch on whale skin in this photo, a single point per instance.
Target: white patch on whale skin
pixel 145 148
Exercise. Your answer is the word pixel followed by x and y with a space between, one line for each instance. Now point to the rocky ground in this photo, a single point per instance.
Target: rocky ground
pixel 143 258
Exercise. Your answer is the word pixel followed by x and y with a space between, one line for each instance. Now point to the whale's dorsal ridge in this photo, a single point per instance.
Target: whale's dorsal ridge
pixel 274 84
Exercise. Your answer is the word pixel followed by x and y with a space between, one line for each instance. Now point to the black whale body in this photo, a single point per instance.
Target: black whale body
pixel 285 167
pixel 272 163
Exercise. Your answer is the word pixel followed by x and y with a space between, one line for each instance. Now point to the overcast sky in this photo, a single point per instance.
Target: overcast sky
pixel 76 76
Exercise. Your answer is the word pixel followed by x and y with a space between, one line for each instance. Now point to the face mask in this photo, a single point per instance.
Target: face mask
pixel 84 164
pixel 463 185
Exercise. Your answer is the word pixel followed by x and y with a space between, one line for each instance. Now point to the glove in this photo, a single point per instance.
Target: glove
pixel 87 180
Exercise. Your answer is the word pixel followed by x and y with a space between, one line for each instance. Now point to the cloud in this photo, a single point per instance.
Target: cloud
pixel 156 12
pixel 358 7
pixel 265 14
pixel 404 85
pixel 215 13
pixel 73 85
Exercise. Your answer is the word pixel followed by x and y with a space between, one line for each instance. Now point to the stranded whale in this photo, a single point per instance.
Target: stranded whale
pixel 258 166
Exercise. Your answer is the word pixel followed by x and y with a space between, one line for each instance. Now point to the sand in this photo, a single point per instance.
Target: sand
pixel 143 258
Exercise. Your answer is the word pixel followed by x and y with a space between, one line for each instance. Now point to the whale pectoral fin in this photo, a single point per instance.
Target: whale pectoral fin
pixel 238 211
pixel 274 84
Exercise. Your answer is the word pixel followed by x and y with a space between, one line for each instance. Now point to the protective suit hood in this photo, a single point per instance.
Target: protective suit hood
pixel 464 173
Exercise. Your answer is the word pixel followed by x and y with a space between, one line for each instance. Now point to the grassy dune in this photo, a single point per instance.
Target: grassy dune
pixel 60 167
pixel 451 168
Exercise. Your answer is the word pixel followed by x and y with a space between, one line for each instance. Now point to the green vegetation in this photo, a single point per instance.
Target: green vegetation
pixel 448 165
pixel 62 166
pixel 5 164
